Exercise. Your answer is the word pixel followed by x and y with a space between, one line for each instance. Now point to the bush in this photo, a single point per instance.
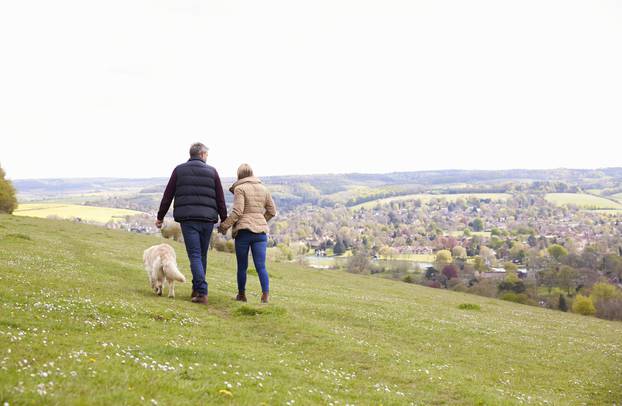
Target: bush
pixel 408 279
pixel 359 263
pixel 515 297
pixel 469 306
pixel 218 243
pixel 583 305
pixel 457 285
pixel 610 309
pixel 172 230
pixel 485 287
pixel 563 306
pixel 8 201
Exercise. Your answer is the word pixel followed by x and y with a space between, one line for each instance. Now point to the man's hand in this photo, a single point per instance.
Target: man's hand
pixel 222 229
pixel 158 223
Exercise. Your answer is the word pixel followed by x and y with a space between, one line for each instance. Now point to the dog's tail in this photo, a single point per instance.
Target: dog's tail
pixel 171 271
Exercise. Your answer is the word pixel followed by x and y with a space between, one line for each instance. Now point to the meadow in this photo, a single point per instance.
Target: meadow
pixel 69 211
pixel 79 325
pixel 583 200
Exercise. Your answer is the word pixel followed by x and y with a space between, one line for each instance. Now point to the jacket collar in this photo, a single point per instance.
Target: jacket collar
pixel 250 179
pixel 196 159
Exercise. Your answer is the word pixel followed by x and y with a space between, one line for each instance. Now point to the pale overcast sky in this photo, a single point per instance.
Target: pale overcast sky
pixel 121 88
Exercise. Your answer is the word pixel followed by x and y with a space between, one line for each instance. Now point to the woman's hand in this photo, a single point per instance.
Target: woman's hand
pixel 222 229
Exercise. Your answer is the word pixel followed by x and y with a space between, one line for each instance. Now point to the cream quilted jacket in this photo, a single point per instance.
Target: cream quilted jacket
pixel 252 207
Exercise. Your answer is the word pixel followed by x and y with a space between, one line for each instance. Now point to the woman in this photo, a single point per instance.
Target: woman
pixel 252 209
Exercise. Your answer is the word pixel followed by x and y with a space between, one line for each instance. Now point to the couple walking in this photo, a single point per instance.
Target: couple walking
pixel 200 200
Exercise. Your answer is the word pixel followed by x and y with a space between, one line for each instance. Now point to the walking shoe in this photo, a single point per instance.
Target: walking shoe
pixel 200 299
pixel 264 297
pixel 194 294
pixel 241 297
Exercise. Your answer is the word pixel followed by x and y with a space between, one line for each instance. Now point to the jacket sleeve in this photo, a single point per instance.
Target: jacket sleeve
pixel 220 199
pixel 169 194
pixel 270 207
pixel 237 210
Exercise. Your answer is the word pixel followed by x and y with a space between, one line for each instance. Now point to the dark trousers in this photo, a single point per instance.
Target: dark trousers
pixel 258 244
pixel 197 236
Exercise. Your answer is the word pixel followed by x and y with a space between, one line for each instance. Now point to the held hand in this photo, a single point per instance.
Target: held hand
pixel 158 223
pixel 222 230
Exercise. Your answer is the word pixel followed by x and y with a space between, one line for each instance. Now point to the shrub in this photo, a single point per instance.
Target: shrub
pixel 469 306
pixel 515 297
pixel 408 279
pixel 172 230
pixel 583 305
pixel 359 263
pixel 610 309
pixel 485 287
pixel 563 306
pixel 218 243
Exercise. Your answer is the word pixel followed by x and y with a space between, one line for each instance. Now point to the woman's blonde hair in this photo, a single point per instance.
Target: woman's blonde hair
pixel 244 171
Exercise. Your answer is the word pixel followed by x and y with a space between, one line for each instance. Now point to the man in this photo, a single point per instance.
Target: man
pixel 199 201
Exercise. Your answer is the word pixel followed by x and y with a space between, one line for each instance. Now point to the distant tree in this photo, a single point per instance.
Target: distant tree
pixel 563 306
pixel 479 264
pixel 443 257
pixel 604 291
pixel 557 251
pixel 8 201
pixel 612 265
pixel 459 252
pixel 548 278
pixel 450 271
pixel 510 267
pixel 477 224
pixel 583 305
pixel 339 248
pixel 518 251
pixel 567 278
pixel 511 283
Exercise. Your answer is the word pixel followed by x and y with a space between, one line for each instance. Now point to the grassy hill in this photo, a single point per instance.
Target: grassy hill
pixel 79 325
pixel 583 200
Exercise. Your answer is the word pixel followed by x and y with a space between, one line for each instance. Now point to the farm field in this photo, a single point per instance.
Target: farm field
pixel 79 325
pixel 582 200
pixel 68 211
pixel 426 197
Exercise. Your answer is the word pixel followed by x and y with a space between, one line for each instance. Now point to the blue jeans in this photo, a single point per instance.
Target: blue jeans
pixel 197 235
pixel 258 244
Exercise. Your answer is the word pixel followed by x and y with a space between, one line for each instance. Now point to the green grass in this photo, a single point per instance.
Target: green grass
pixel 426 197
pixel 583 200
pixel 67 211
pixel 79 325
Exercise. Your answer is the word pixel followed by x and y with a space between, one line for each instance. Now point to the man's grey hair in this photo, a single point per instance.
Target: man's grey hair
pixel 197 149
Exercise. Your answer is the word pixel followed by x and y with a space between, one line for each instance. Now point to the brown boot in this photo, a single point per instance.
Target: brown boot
pixel 264 297
pixel 194 294
pixel 241 297
pixel 200 299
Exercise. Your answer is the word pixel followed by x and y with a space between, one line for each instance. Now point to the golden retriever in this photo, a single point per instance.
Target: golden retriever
pixel 160 264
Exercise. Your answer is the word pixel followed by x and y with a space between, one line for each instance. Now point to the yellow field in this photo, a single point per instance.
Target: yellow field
pixel 426 197
pixel 68 211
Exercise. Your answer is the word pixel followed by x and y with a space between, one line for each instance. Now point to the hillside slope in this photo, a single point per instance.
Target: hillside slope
pixel 79 325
